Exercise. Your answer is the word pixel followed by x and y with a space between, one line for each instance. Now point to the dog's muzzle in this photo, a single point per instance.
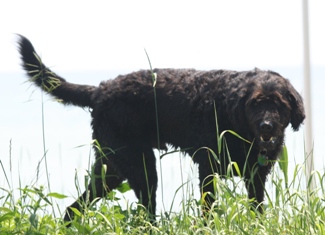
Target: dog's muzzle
pixel 267 141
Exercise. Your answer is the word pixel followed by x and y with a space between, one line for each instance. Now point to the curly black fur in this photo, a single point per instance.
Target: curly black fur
pixel 258 105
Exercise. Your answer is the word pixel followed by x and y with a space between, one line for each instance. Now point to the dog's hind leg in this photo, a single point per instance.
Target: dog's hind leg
pixel 136 165
pixel 140 171
pixel 99 186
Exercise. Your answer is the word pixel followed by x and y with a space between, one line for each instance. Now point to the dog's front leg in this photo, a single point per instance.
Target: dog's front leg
pixel 206 176
pixel 255 185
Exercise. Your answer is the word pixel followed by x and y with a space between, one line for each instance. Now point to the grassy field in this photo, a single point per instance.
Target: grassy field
pixel 293 209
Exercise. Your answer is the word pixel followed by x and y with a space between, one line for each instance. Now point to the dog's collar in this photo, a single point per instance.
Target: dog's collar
pixel 262 160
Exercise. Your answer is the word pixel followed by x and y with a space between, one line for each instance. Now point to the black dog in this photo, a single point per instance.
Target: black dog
pixel 186 108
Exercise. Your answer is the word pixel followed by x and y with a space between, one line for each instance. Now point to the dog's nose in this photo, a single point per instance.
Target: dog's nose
pixel 266 126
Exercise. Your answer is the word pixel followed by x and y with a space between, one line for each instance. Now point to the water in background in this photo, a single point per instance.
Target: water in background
pixel 68 136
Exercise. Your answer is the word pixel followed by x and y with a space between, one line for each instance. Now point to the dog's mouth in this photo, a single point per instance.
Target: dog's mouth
pixel 266 138
pixel 267 142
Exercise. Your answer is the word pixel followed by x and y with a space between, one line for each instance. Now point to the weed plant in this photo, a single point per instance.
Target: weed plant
pixel 291 208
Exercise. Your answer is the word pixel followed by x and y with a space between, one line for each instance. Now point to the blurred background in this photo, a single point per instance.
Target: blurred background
pixel 87 42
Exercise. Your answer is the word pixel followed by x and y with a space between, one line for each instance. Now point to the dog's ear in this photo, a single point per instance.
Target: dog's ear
pixel 297 108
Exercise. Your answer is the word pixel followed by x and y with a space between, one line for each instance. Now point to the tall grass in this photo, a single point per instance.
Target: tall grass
pixel 291 209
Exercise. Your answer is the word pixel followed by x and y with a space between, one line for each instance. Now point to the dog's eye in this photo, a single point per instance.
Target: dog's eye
pixel 256 102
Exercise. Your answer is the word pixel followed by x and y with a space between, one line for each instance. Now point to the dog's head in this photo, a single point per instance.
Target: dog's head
pixel 268 104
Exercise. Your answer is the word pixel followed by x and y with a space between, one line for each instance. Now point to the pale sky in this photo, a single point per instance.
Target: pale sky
pixel 112 35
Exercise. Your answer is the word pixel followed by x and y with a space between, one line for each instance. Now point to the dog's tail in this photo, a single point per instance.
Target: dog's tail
pixel 68 93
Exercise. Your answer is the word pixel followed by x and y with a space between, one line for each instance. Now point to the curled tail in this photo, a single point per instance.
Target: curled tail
pixel 48 81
